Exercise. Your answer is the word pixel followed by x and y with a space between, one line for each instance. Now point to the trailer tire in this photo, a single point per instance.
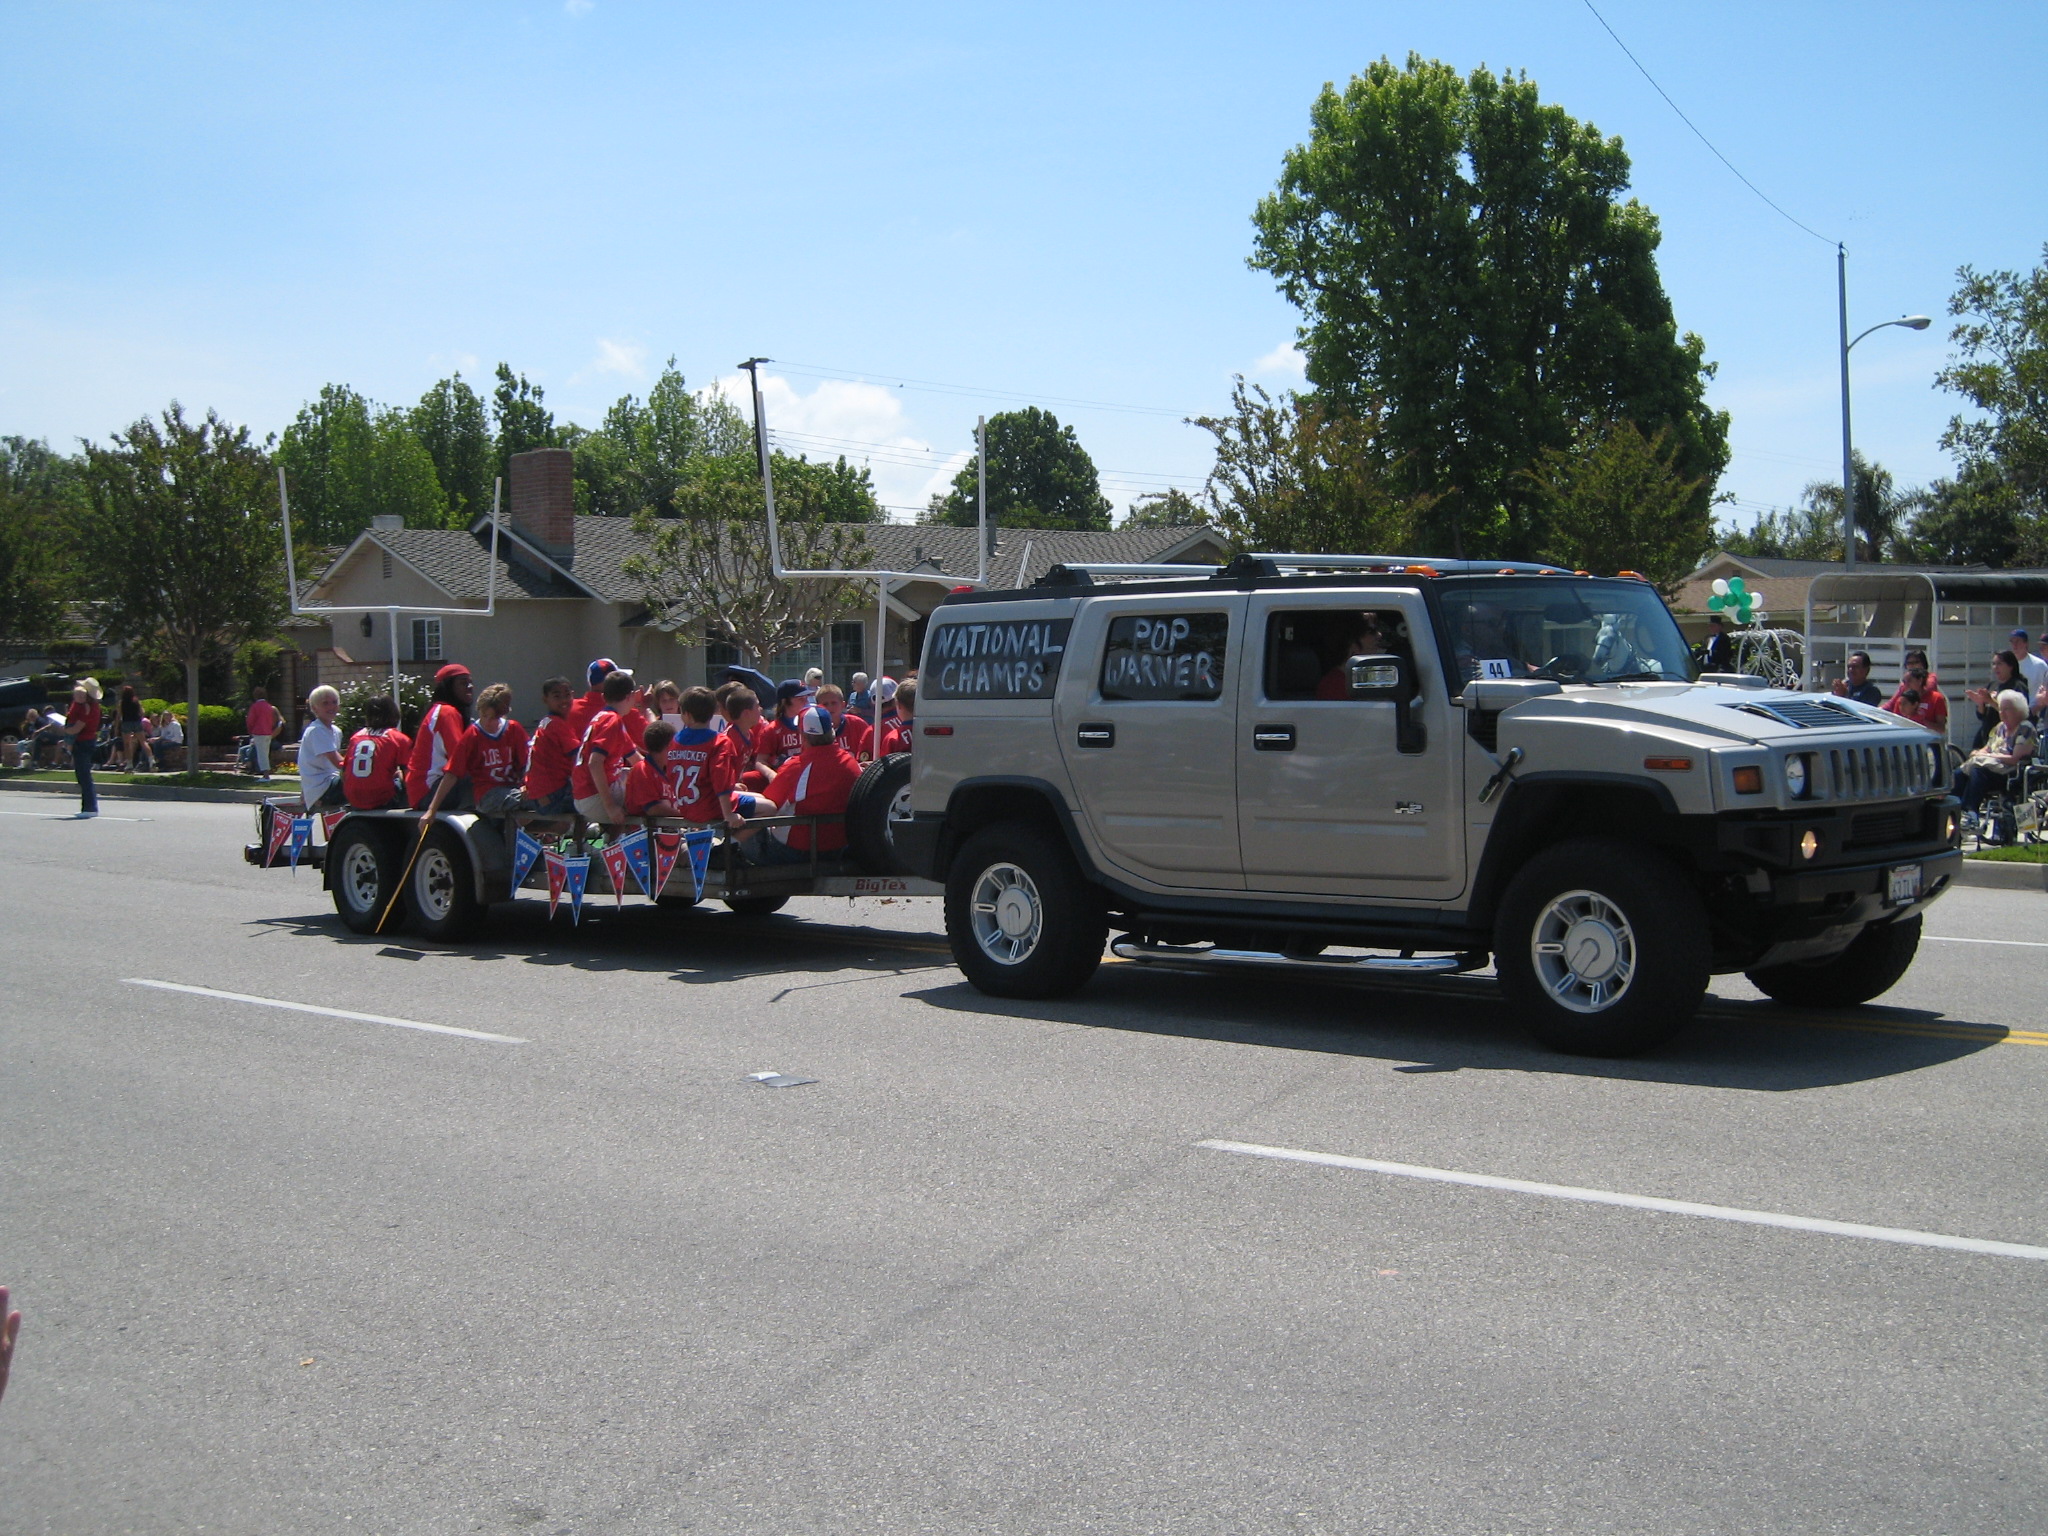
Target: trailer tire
pixel 880 797
pixel 440 893
pixel 755 906
pixel 362 869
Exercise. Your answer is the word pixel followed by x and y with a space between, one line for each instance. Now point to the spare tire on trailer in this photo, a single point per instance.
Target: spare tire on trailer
pixel 880 796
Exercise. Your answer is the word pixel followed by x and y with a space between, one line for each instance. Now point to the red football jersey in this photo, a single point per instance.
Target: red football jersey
pixel 371 768
pixel 896 737
pixel 855 734
pixel 607 734
pixel 585 710
pixel 647 791
pixel 778 740
pixel 816 782
pixel 490 762
pixel 550 756
pixel 440 733
pixel 699 766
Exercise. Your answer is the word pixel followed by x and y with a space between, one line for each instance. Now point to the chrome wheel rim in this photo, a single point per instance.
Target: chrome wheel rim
pixel 359 884
pixel 433 885
pixel 1007 914
pixel 899 810
pixel 1585 952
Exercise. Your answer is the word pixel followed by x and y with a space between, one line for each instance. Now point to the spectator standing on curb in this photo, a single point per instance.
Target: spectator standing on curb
pixel 134 729
pixel 1857 684
pixel 1920 700
pixel 262 725
pixel 82 725
pixel 2034 670
pixel 1718 655
pixel 320 753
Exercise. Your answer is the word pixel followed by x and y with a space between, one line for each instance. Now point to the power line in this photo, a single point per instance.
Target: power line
pixel 1674 106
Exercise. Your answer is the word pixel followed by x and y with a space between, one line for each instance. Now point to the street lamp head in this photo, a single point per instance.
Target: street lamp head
pixel 1914 322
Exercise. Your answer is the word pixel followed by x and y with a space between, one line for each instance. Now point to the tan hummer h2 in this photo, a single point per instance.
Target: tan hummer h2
pixel 1295 755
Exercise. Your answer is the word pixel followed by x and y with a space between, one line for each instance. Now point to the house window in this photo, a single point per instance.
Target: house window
pixel 849 644
pixel 426 639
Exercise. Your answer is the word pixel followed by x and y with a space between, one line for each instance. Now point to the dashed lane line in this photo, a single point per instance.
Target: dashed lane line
pixel 1639 1202
pixel 332 1013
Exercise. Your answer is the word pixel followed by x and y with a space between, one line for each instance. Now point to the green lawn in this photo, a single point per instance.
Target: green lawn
pixel 2022 853
pixel 200 778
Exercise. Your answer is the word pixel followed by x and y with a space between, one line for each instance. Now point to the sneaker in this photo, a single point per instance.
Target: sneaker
pixel 1969 821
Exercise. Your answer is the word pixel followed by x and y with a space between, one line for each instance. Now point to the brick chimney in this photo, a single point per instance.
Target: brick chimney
pixel 544 499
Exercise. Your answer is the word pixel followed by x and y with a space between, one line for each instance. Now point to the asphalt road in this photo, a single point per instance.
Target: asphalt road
pixel 284 1271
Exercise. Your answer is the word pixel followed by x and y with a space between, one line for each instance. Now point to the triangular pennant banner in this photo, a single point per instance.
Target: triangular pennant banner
pixel 557 873
pixel 280 831
pixel 614 856
pixel 700 858
pixel 667 845
pixel 525 849
pixel 634 846
pixel 329 820
pixel 576 873
pixel 302 838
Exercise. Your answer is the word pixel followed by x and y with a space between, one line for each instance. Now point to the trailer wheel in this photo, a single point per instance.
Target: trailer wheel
pixel 880 798
pixel 362 867
pixel 756 906
pixel 440 898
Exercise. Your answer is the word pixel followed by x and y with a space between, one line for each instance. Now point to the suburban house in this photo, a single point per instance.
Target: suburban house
pixel 563 596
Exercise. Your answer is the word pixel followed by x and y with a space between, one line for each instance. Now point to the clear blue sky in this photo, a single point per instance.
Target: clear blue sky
pixel 233 204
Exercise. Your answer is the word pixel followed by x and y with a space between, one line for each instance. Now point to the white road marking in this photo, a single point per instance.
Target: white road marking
pixel 1942 938
pixel 332 1013
pixel 1639 1202
pixel 74 816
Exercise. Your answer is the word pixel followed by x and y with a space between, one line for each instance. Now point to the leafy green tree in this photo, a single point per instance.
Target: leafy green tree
pixel 41 494
pixel 2003 372
pixel 1299 475
pixel 644 451
pixel 186 553
pixel 453 426
pixel 707 568
pixel 842 492
pixel 1615 500
pixel 1170 508
pixel 523 422
pixel 1812 530
pixel 1973 519
pixel 1465 261
pixel 1039 476
pixel 348 460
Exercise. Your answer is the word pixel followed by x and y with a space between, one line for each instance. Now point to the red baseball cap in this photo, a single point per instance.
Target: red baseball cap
pixel 453 669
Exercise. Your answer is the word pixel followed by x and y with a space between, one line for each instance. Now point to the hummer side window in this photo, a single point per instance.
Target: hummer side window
pixel 1176 656
pixel 1306 651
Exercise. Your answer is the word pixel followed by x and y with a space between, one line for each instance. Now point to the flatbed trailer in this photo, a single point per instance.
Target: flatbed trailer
pixel 449 874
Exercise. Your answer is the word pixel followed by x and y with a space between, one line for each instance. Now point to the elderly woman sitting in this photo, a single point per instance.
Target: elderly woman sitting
pixel 1992 766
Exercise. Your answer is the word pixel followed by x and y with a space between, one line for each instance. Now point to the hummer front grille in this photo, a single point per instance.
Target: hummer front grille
pixel 1877 773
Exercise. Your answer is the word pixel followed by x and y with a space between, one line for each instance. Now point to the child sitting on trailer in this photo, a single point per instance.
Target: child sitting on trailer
pixel 552 752
pixel 648 791
pixel 373 768
pixel 483 773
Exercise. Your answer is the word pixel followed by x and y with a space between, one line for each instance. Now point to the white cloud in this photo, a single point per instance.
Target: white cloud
pixel 618 357
pixel 1283 359
pixel 865 422
pixel 579 7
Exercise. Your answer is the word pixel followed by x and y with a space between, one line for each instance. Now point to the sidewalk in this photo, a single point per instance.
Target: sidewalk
pixel 67 788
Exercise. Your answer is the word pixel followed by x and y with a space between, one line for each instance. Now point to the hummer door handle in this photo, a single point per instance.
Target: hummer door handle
pixel 1095 733
pixel 1272 738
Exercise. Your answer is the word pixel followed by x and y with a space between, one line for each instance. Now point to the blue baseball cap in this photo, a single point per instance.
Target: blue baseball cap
pixel 603 668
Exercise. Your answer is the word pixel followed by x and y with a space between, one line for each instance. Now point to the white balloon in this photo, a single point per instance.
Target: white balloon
pixel 1720 586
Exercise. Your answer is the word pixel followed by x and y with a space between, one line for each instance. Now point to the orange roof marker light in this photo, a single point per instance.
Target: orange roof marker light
pixel 1582 573
pixel 1419 570
pixel 1633 575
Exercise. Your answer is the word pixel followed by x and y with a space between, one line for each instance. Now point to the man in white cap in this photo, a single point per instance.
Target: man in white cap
pixel 816 782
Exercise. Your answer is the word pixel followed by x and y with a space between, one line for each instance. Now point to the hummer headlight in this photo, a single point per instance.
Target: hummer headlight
pixel 1795 777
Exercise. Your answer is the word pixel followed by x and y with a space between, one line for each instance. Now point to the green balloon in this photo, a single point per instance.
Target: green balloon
pixel 1735 586
pixel 1717 603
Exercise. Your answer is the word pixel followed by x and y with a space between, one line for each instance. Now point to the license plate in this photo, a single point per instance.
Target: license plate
pixel 1902 885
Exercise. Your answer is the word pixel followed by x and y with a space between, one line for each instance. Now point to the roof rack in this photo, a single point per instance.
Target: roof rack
pixel 1274 564
pixel 1081 573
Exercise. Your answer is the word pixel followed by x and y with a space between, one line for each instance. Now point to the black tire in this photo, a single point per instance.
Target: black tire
pixel 1639 934
pixel 756 906
pixel 1872 965
pixel 882 788
pixel 362 871
pixel 440 893
pixel 1021 919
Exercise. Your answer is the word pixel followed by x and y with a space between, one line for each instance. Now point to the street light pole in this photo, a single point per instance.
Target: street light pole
pixel 1911 323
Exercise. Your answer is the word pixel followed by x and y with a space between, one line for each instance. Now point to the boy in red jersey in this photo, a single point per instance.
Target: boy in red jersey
pixel 742 737
pixel 586 709
pixel 552 753
pixel 816 782
pixel 780 738
pixel 441 730
pixel 647 791
pixel 483 773
pixel 897 733
pixel 373 767
pixel 855 734
pixel 604 757
pixel 699 765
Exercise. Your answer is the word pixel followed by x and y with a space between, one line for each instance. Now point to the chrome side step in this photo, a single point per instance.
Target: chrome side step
pixel 1257 959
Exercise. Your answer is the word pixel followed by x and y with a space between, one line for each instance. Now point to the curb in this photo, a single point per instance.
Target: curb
pixel 69 791
pixel 1999 875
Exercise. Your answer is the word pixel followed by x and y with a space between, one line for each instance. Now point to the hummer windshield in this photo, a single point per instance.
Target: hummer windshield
pixel 1575 630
